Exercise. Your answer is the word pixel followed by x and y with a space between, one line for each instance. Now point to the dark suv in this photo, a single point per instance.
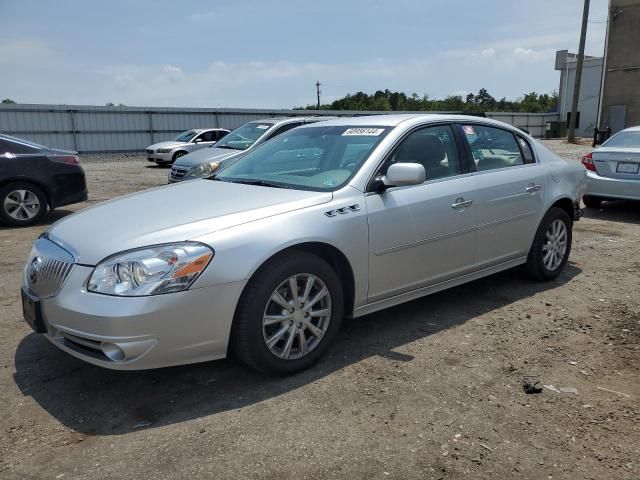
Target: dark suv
pixel 33 178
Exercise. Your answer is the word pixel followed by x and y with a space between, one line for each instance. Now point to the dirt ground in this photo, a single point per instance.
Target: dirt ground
pixel 427 390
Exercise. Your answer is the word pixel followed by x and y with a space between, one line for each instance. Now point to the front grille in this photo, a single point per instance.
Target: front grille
pixel 48 268
pixel 149 152
pixel 177 172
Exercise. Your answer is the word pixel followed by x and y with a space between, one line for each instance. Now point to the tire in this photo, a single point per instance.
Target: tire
pixel 177 155
pixel 539 266
pixel 22 204
pixel 249 334
pixel 592 202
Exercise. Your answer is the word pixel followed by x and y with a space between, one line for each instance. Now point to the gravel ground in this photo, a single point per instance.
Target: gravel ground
pixel 429 389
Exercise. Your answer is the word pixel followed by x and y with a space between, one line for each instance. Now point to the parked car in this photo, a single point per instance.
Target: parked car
pixel 33 178
pixel 339 218
pixel 613 169
pixel 165 153
pixel 247 136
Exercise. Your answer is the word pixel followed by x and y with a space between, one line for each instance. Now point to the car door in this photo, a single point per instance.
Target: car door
pixel 422 234
pixel 204 140
pixel 510 186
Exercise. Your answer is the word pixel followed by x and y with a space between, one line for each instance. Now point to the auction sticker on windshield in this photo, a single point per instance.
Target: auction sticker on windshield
pixel 263 127
pixel 368 132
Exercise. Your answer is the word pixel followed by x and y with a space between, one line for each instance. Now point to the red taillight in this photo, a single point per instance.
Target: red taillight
pixel 587 161
pixel 68 159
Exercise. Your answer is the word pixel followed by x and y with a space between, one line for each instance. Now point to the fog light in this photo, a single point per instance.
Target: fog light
pixel 113 352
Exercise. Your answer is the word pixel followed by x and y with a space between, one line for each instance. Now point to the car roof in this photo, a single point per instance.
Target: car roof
pixel 393 120
pixel 285 120
pixel 631 129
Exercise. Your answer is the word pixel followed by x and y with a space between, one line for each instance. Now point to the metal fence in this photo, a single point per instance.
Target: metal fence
pixel 93 129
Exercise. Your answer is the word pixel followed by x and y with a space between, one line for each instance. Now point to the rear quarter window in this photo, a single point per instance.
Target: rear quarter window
pixel 527 151
pixel 21 148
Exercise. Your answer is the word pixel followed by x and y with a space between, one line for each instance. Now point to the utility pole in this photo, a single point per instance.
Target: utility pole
pixel 571 137
pixel 318 93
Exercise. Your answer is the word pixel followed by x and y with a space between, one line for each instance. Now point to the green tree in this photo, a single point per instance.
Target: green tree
pixel 8 100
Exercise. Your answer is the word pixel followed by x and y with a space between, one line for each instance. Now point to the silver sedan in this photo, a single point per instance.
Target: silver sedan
pixel 339 218
pixel 613 169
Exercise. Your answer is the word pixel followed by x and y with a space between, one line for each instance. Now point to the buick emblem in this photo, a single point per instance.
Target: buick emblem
pixel 34 269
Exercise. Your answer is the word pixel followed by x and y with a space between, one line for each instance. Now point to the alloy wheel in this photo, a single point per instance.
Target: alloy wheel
pixel 22 205
pixel 297 316
pixel 555 245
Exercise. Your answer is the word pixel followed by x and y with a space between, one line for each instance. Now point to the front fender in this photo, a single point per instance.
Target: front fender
pixel 242 249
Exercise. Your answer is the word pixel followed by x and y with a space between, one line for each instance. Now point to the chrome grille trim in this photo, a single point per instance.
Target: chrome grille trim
pixel 178 172
pixel 55 266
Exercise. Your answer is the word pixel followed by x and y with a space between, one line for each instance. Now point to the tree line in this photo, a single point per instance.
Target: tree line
pixel 483 101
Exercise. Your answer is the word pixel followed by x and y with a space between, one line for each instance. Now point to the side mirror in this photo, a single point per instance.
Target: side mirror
pixel 404 174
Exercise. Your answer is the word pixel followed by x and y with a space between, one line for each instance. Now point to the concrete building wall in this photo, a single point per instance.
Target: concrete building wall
pixel 589 90
pixel 620 107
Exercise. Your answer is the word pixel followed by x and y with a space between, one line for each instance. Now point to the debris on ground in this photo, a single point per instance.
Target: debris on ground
pixel 531 385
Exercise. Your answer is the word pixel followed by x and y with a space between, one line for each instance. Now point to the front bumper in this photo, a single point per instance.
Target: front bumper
pixel 160 157
pixel 135 333
pixel 606 187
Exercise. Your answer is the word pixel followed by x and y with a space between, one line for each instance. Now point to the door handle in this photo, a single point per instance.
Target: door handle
pixel 461 203
pixel 532 188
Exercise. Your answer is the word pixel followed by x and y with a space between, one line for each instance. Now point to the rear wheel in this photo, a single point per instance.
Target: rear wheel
pixel 591 201
pixel 288 315
pixel 551 246
pixel 22 204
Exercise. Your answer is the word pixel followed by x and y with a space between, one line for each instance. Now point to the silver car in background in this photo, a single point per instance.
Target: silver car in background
pixel 340 218
pixel 165 153
pixel 244 138
pixel 613 169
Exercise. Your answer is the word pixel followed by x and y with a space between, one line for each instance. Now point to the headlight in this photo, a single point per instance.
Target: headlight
pixel 151 271
pixel 202 170
pixel 164 150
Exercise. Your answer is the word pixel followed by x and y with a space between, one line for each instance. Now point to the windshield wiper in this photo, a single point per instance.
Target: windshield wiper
pixel 260 183
pixel 227 147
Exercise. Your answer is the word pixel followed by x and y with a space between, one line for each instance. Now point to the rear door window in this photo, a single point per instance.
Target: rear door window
pixel 220 134
pixel 492 147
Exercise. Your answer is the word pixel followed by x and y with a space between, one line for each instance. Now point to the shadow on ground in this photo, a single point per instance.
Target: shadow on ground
pixel 49 219
pixel 98 401
pixel 616 211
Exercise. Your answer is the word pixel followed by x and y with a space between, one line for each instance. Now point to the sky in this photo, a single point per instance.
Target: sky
pixel 270 53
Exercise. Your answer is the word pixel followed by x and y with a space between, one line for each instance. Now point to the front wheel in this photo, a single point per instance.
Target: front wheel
pixel 177 155
pixel 288 315
pixel 551 246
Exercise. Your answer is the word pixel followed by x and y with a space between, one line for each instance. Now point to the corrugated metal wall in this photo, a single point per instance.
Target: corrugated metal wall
pixel 92 129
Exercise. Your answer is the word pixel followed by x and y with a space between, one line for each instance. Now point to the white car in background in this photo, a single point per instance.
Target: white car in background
pixel 613 169
pixel 164 153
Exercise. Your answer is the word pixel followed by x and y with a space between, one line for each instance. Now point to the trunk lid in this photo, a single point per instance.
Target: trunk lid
pixel 616 162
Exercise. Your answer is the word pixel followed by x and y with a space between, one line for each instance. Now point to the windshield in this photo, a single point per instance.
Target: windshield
pixel 624 139
pixel 186 136
pixel 311 158
pixel 244 136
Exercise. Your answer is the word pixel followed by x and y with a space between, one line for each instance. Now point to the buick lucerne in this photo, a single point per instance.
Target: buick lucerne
pixel 338 218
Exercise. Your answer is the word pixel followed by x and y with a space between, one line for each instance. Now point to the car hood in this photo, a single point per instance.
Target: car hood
pixel 167 144
pixel 173 213
pixel 207 155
